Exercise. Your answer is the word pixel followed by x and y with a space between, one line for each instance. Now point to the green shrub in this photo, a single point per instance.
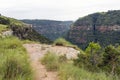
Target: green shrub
pixel 4 20
pixel 51 61
pixel 63 42
pixel 111 60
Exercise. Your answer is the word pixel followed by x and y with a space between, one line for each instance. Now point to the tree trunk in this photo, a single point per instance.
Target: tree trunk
pixel 113 69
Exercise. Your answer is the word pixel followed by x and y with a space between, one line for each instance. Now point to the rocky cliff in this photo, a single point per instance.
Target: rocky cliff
pixel 101 27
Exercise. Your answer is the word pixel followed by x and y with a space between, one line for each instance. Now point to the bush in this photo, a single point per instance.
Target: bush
pixel 51 61
pixel 4 20
pixel 63 42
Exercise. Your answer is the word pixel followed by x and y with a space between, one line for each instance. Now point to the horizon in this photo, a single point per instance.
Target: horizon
pixel 69 10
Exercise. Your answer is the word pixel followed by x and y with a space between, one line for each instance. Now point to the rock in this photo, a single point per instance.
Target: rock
pixel 7 33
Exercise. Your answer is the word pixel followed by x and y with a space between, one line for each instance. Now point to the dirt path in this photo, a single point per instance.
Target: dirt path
pixel 37 51
pixel 40 73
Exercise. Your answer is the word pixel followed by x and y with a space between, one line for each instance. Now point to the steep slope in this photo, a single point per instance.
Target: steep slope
pixel 49 28
pixel 101 27
pixel 20 29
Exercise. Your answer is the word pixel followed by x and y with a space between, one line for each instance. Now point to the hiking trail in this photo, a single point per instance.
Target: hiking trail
pixel 37 51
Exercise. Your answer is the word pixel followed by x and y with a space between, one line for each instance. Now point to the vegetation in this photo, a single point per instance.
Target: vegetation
pixel 63 42
pixel 111 59
pixel 51 61
pixel 71 72
pixel 97 59
pixel 3 28
pixel 100 19
pixel 14 64
pixel 68 71
pixel 4 20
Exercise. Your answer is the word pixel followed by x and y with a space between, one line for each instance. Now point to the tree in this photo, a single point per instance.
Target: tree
pixel 111 58
pixel 91 59
pixel 93 50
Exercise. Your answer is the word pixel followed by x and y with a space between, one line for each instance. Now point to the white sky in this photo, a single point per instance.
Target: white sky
pixel 55 9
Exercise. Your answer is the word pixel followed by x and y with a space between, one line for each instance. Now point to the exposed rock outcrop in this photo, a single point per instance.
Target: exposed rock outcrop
pixel 21 32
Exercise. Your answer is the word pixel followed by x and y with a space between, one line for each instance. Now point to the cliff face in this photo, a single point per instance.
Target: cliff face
pixel 99 27
pixel 21 30
pixel 49 28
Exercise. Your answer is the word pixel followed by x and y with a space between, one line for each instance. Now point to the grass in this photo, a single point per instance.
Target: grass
pixel 28 42
pixel 14 64
pixel 3 27
pixel 63 42
pixel 16 22
pixel 71 72
pixel 67 71
pixel 51 61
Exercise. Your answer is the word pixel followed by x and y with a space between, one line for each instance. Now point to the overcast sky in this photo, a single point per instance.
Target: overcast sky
pixel 55 9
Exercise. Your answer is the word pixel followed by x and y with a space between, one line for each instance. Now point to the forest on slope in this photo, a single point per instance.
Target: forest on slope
pixel 101 27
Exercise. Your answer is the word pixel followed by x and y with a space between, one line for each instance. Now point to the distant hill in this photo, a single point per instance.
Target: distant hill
pixel 50 28
pixel 102 27
pixel 20 29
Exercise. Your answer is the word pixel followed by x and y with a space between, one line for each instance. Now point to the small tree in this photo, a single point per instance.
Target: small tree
pixel 91 58
pixel 93 50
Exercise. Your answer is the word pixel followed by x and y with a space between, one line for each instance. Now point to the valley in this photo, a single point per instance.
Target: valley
pixel 50 28
pixel 87 49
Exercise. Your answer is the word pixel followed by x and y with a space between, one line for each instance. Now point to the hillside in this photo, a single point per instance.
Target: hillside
pixel 102 27
pixel 50 28
pixel 20 29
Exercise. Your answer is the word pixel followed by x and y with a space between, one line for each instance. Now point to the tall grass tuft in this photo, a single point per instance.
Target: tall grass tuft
pixel 14 64
pixel 50 60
